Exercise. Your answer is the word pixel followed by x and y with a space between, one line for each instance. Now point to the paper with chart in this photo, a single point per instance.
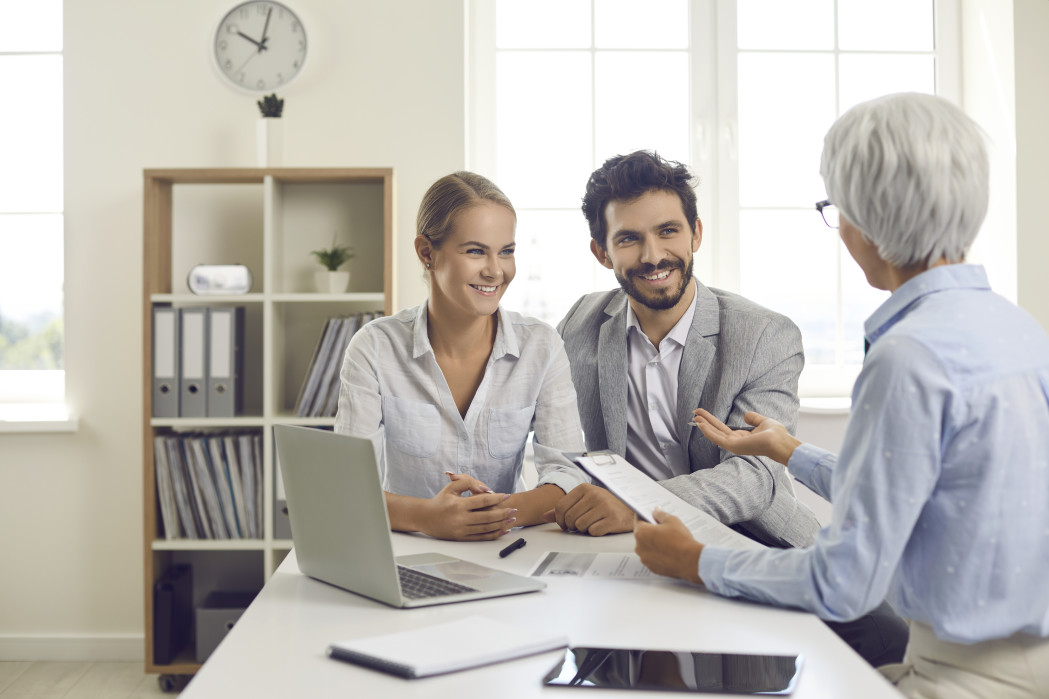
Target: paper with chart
pixel 579 564
pixel 643 495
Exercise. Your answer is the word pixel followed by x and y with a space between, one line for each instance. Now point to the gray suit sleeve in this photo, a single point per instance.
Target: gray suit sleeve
pixel 739 489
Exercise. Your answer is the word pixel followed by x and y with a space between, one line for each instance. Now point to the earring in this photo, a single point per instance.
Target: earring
pixel 428 265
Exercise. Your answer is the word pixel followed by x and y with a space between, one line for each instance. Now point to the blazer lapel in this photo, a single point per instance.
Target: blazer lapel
pixel 612 373
pixel 698 354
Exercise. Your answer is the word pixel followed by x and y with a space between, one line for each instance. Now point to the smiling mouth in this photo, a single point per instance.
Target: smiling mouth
pixel 485 289
pixel 656 276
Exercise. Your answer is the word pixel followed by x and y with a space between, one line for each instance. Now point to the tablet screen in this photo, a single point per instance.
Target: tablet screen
pixel 683 671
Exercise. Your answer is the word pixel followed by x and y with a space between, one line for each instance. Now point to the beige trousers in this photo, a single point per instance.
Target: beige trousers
pixel 1006 668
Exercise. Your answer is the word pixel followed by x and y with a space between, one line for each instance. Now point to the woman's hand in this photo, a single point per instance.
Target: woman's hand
pixel 768 438
pixel 668 548
pixel 477 517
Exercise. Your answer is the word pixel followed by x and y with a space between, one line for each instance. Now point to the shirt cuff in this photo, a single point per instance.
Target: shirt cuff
pixel 804 460
pixel 712 568
pixel 564 481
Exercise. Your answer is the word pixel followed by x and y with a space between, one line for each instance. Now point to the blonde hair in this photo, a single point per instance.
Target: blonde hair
pixel 449 196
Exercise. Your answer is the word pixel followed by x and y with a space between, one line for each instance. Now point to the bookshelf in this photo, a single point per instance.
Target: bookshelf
pixel 268 219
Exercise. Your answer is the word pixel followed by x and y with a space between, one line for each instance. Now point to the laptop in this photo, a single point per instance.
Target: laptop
pixel 341 529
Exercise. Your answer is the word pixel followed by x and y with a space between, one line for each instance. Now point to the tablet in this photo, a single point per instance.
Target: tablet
pixel 681 671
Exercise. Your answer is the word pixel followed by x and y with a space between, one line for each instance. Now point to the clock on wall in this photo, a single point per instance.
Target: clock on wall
pixel 260 46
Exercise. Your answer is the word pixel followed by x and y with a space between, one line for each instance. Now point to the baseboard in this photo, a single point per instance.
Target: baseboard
pixel 109 647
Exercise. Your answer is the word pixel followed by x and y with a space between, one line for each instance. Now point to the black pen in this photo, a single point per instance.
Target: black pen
pixel 512 547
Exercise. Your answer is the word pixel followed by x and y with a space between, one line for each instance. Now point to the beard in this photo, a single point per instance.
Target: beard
pixel 660 299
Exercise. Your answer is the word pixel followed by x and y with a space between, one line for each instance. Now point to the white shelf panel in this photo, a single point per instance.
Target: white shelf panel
pixel 368 297
pixel 224 299
pixel 208 545
pixel 195 422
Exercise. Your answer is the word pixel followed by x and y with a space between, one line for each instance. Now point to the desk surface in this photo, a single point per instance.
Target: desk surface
pixel 277 648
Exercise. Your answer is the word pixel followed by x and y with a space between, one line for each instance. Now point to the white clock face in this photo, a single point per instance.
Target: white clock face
pixel 260 46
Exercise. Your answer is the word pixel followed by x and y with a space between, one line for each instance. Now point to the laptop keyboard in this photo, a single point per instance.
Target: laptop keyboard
pixel 419 585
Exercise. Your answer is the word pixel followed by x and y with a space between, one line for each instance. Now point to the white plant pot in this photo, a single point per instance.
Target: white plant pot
pixel 269 141
pixel 331 282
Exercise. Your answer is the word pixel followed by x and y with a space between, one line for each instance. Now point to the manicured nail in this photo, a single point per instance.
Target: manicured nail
pixel 506 497
pixel 511 520
pixel 512 512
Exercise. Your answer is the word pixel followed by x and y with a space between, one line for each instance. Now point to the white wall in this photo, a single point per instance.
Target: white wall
pixel 383 86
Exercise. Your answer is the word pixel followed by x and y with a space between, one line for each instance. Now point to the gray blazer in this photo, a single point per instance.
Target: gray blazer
pixel 738 357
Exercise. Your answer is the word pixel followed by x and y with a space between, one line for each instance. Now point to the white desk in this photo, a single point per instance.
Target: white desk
pixel 277 648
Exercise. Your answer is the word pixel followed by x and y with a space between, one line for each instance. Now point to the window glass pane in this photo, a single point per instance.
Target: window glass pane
pixel 866 76
pixel 542 24
pixel 859 299
pixel 31 133
pixel 543 127
pixel 885 25
pixel 788 262
pixel 775 24
pixel 30 26
pixel 31 274
pixel 786 105
pixel 636 109
pixel 554 263
pixel 629 24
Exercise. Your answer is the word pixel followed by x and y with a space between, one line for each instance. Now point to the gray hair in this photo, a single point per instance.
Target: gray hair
pixel 911 172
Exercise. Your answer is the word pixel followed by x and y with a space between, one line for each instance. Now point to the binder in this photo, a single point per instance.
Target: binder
pixel 172 612
pixel 165 491
pixel 193 395
pixel 225 361
pixel 165 361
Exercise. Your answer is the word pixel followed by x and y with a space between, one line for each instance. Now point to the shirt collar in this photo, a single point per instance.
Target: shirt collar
pixel 505 336
pixel 678 333
pixel 931 281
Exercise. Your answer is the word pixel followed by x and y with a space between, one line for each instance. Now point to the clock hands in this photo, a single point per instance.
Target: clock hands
pixel 261 43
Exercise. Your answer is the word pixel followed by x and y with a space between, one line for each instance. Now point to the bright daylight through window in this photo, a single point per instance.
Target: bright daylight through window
pixel 742 92
pixel 31 210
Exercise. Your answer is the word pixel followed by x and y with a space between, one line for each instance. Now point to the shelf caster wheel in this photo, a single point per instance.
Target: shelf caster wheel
pixel 172 683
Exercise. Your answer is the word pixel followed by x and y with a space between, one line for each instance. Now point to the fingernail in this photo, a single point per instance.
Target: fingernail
pixel 511 520
pixel 505 532
pixel 506 497
pixel 513 512
pixel 448 473
pixel 488 490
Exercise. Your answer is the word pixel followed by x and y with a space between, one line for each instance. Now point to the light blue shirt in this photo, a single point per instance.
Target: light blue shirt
pixel 391 382
pixel 941 491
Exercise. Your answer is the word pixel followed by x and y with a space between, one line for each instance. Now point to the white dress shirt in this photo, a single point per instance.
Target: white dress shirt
pixel 653 436
pixel 391 382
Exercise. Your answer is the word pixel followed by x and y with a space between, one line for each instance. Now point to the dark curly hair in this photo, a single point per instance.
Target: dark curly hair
pixel 627 177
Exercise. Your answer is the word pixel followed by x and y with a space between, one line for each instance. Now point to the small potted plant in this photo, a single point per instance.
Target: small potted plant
pixel 269 131
pixel 330 279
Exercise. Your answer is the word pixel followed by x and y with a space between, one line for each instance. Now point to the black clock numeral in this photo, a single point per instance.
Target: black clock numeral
pixel 295 65
pixel 302 44
pixel 280 78
pixel 223 45
pixel 261 9
pixel 295 27
pixel 261 84
pixel 228 65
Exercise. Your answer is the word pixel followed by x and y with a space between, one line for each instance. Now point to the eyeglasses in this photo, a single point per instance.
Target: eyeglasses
pixel 829 212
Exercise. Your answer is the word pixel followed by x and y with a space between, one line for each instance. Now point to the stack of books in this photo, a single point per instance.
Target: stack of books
pixel 209 485
pixel 319 395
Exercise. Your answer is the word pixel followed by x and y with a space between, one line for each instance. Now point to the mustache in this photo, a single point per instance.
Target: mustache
pixel 648 268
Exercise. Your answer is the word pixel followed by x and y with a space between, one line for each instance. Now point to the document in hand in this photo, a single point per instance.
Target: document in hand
pixel 643 495
pixel 443 648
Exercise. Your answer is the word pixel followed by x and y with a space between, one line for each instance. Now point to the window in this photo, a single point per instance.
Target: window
pixel 31 210
pixel 742 92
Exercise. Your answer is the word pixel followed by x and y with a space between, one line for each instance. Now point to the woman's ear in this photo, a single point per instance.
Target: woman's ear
pixel 424 250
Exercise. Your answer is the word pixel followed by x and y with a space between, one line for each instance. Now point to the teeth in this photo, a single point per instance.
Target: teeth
pixel 486 289
pixel 658 276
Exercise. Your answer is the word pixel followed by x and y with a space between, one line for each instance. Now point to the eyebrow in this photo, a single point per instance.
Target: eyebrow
pixel 475 244
pixel 670 223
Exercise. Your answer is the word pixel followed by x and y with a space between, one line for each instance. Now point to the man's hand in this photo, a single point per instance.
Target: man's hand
pixel 591 509
pixel 768 438
pixel 668 548
pixel 478 517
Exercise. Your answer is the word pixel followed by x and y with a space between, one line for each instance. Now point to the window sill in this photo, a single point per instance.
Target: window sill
pixel 36 417
pixel 826 406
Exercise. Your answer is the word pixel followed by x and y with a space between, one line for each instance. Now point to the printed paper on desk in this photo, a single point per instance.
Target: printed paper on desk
pixel 643 495
pixel 578 564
